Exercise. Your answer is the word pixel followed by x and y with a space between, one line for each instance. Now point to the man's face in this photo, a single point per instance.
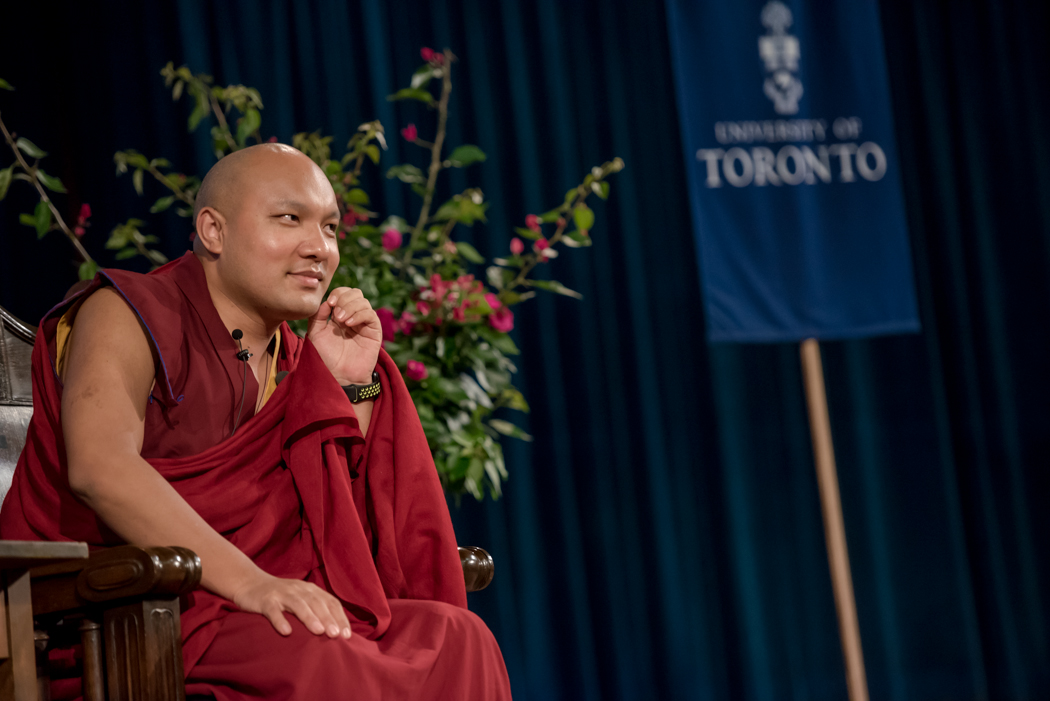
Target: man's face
pixel 280 251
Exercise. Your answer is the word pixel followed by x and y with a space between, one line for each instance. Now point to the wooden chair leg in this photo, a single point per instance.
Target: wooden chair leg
pixel 143 651
pixel 43 672
pixel 94 688
pixel 18 671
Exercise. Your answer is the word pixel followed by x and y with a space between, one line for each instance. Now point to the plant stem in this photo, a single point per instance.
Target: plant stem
pixel 533 259
pixel 435 162
pixel 217 109
pixel 155 172
pixel 31 171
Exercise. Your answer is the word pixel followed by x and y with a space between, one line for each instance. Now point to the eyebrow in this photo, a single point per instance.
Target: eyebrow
pixel 297 205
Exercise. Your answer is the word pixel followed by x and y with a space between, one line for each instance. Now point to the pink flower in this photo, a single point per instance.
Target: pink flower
pixel 407 322
pixel 561 222
pixel 439 286
pixel 533 222
pixel 541 245
pixel 272 140
pixel 516 246
pixel 439 59
pixel 350 218
pixel 493 301
pixel 392 239
pixel 410 133
pixel 502 319
pixel 82 220
pixel 427 53
pixel 416 370
pixel 459 312
pixel 465 282
pixel 423 308
pixel 450 248
pixel 342 235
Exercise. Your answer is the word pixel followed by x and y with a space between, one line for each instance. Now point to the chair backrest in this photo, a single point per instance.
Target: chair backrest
pixel 16 392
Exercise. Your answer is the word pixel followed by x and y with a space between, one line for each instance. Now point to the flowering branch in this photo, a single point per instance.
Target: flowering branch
pixel 46 212
pixel 435 153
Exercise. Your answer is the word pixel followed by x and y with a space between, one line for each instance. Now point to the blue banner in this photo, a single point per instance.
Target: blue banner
pixel 793 172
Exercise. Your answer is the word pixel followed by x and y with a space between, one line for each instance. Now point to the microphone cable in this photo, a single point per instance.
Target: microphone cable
pixel 243 354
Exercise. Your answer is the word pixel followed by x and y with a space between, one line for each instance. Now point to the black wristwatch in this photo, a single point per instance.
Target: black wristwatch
pixel 360 393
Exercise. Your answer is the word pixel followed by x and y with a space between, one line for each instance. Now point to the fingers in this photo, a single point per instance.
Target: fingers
pixel 350 308
pixel 319 611
pixel 305 612
pixel 339 615
pixel 275 614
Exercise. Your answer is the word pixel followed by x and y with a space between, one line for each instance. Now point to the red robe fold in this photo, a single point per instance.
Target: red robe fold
pixel 299 491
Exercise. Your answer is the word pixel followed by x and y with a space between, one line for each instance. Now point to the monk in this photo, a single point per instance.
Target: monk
pixel 330 568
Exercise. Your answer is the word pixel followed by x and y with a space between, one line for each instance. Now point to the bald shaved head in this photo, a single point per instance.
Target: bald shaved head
pixel 223 185
pixel 266 219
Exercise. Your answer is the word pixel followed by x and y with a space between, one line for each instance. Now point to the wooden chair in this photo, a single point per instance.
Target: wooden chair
pixel 120 604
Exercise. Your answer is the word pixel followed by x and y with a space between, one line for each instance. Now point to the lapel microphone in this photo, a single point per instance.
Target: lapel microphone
pixel 243 354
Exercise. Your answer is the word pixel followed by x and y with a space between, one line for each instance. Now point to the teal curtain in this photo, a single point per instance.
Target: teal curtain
pixel 661 538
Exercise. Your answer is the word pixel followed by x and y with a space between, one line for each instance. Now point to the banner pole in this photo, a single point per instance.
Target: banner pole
pixel 834 529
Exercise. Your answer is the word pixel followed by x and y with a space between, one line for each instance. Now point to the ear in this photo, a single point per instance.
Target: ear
pixel 211 229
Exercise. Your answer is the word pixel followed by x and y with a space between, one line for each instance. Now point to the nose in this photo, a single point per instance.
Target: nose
pixel 316 244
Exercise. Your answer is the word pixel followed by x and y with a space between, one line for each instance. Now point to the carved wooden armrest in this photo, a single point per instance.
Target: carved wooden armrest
pixel 478 567
pixel 123 573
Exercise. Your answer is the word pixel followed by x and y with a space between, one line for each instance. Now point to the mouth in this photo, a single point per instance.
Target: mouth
pixel 310 279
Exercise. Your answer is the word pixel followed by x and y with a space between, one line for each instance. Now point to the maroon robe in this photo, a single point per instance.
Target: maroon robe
pixel 299 490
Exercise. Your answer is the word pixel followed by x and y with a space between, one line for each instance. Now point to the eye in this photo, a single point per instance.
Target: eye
pixel 289 217
pixel 331 228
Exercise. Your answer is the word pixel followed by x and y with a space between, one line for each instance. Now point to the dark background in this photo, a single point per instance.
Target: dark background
pixel 662 536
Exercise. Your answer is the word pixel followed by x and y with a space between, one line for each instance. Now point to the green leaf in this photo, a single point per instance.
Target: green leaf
pixel 527 233
pixel 136 180
pixel 422 76
pixel 248 124
pixel 494 274
pixel 358 196
pixel 553 286
pixel 412 94
pixel 29 148
pixel 509 429
pixel 162 204
pixel 199 112
pixel 27 219
pixel 5 85
pixel 583 216
pixel 465 155
pixel 499 340
pixel 42 219
pixel 462 209
pixel 551 216
pixel 87 270
pixel 601 189
pixel 50 182
pixel 373 153
pixel 469 252
pixel 5 180
pixel 406 173
pixel 576 240
pixel 570 195
pixel 125 253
